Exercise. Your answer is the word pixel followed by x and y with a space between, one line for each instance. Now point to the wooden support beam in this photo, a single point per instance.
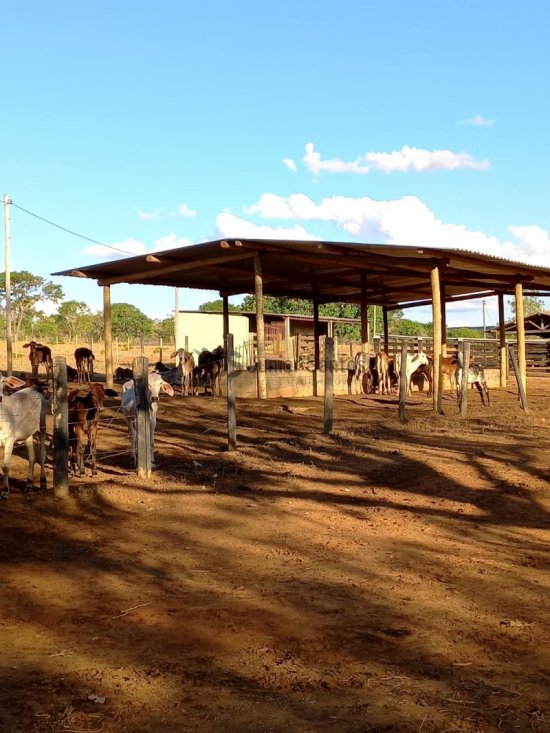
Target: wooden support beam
pixel 143 416
pixel 364 312
pixel 260 327
pixel 231 411
pixel 174 267
pixel 436 319
pixel 503 361
pixel 60 429
pixel 443 321
pixel 329 384
pixel 108 336
pixel 520 330
pixel 385 328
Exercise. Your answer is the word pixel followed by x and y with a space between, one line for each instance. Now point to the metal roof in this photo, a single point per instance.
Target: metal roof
pixel 397 276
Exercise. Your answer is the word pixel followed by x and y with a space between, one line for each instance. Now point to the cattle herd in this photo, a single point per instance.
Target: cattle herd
pixel 373 373
pixel 24 402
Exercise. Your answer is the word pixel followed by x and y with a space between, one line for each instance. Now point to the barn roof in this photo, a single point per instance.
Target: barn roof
pixel 396 275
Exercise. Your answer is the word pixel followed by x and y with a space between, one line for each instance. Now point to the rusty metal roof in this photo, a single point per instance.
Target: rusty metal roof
pixel 396 276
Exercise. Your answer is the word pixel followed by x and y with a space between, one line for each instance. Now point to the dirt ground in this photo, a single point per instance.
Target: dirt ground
pixel 386 578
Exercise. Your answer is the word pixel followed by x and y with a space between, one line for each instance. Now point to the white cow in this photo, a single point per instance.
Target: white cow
pixel 414 361
pixel 128 403
pixel 22 414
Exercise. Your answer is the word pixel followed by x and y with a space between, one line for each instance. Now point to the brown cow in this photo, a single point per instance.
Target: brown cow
pixel 40 354
pixel 84 364
pixel 85 404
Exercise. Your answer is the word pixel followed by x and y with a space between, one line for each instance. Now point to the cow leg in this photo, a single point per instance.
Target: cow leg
pixel 8 449
pixel 30 455
pixel 350 380
pixel 133 439
pixel 92 444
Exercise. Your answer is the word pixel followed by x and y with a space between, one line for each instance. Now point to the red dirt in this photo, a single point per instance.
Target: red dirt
pixel 386 578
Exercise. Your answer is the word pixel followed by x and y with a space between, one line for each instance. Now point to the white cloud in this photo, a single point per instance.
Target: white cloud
pixel 402 221
pixel 229 225
pixel 479 121
pixel 290 164
pixel 148 215
pixel 404 160
pixel 171 241
pixel 157 214
pixel 184 210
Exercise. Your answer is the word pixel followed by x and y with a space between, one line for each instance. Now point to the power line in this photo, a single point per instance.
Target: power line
pixel 69 231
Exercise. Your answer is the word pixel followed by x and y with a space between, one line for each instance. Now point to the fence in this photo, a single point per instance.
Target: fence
pixel 124 352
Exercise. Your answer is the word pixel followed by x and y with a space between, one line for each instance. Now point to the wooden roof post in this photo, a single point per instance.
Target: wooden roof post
pixel 436 318
pixel 503 361
pixel 225 310
pixel 364 315
pixel 260 328
pixel 316 347
pixel 520 330
pixel 386 328
pixel 108 336
pixel 443 321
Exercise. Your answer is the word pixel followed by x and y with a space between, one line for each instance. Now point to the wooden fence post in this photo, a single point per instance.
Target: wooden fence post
pixel 231 411
pixel 329 384
pixel 60 430
pixel 403 386
pixel 519 380
pixel 463 403
pixel 143 417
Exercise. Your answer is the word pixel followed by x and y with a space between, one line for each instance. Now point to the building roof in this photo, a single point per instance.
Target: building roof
pixel 536 323
pixel 396 276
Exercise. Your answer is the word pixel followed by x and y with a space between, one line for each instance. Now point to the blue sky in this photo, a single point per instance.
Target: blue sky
pixel 151 125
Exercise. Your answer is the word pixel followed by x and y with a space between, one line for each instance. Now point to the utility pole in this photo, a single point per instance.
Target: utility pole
pixel 9 346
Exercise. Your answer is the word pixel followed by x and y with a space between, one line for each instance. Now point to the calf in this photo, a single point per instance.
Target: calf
pixel 186 363
pixel 40 354
pixel 414 361
pixel 210 369
pixel 476 377
pixel 72 374
pixel 85 404
pixel 123 374
pixel 84 364
pixel 22 414
pixel 156 385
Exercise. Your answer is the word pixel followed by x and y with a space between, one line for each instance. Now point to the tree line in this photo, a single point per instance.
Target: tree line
pixel 75 319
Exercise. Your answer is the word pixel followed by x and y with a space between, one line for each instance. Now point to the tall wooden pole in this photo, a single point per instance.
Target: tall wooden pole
pixel 260 327
pixel 436 319
pixel 316 348
pixel 386 328
pixel 176 317
pixel 231 412
pixel 108 336
pixel 364 315
pixel 503 361
pixel 443 321
pixel 329 385
pixel 9 345
pixel 520 329
pixel 60 429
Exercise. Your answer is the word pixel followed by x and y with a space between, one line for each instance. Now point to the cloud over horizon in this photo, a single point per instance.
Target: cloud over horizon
pixel 404 160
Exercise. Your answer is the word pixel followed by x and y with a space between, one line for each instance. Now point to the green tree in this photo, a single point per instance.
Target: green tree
pixel 164 328
pixel 531 305
pixel 217 305
pixel 73 319
pixel 128 321
pixel 28 293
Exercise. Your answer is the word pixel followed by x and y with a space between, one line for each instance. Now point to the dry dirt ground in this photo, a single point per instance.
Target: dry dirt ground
pixel 386 578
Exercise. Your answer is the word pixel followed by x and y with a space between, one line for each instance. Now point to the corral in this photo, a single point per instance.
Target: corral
pixel 389 577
